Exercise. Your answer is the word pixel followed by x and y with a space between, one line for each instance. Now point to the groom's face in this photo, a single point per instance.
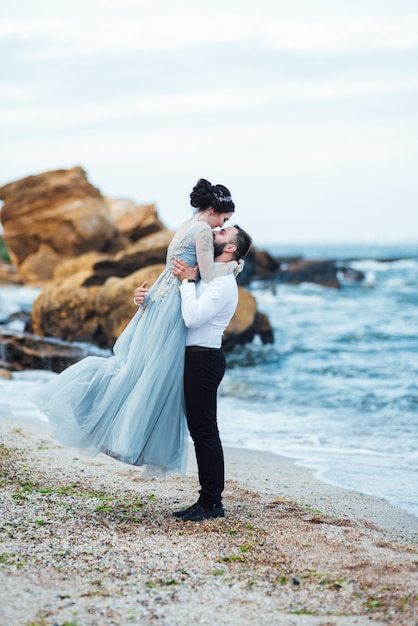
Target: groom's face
pixel 222 238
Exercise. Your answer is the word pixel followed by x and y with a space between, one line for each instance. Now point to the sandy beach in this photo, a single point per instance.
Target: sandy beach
pixel 89 541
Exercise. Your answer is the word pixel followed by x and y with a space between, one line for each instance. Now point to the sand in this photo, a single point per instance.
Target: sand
pixel 89 541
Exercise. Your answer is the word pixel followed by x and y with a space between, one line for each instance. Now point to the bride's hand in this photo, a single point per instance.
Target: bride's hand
pixel 239 268
pixel 140 293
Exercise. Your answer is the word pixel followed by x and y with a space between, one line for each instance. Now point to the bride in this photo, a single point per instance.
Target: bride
pixel 130 406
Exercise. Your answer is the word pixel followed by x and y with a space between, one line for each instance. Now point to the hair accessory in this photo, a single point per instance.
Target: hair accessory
pixel 221 198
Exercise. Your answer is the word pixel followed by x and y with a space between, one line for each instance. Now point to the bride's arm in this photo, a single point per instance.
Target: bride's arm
pixel 204 253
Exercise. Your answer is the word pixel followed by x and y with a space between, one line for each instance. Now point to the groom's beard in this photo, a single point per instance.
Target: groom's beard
pixel 218 248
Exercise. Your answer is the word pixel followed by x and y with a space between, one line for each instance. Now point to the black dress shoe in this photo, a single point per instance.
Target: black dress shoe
pixel 183 512
pixel 199 513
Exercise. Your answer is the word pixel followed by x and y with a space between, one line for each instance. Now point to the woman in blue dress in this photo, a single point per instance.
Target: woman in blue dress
pixel 130 405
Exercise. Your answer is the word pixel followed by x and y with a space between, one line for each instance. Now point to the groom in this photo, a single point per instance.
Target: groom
pixel 207 309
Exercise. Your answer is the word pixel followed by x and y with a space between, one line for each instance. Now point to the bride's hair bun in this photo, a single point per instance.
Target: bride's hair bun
pixel 205 195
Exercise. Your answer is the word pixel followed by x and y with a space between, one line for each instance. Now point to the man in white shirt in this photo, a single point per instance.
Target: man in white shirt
pixel 207 309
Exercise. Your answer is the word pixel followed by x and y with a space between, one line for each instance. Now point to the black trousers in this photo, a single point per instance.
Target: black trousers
pixel 203 372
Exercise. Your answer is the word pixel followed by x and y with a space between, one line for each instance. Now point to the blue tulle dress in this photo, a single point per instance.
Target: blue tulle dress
pixel 130 406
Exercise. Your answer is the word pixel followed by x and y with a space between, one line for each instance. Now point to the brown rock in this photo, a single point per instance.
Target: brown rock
pixel 320 272
pixel 37 268
pixel 247 322
pixel 118 207
pixel 85 263
pixel 115 300
pixel 97 314
pixel 133 221
pixel 98 267
pixel 259 265
pixel 76 312
pixel 68 310
pixel 244 315
pixel 60 209
pixel 263 328
pixel 91 252
pixel 150 250
pixel 23 351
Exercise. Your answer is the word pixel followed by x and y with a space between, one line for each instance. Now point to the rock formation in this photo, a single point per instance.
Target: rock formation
pixel 76 312
pixel 54 216
pixel 89 252
pixel 134 221
pixel 321 272
pixel 22 351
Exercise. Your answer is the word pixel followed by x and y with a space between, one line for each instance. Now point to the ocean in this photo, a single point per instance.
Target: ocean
pixel 338 389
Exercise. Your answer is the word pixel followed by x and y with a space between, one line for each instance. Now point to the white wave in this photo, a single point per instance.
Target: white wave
pixel 405 264
pixel 14 401
pixel 14 298
pixel 32 376
pixel 369 279
pixel 383 266
pixel 300 297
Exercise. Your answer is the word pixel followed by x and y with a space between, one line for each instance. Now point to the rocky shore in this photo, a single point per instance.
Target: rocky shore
pixel 87 253
pixel 92 542
pixel 89 541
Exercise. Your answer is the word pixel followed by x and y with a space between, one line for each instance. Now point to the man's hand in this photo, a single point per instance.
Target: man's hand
pixel 140 293
pixel 180 269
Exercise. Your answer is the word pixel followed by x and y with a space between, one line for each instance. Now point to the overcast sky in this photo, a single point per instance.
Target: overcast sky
pixel 307 110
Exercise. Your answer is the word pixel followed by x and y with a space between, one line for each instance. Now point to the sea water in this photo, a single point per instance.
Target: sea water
pixel 338 389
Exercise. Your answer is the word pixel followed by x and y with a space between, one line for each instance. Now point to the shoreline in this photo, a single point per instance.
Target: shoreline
pixel 297 482
pixel 87 540
pixel 282 476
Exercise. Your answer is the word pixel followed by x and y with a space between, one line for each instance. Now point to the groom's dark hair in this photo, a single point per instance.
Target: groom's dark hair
pixel 243 242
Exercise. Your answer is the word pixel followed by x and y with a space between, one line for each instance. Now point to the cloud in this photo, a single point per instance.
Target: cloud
pixel 296 105
pixel 91 28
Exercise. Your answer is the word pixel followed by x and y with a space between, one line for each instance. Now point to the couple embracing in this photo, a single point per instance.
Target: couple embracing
pixel 166 364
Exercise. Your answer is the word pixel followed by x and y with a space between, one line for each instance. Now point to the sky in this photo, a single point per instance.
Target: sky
pixel 307 111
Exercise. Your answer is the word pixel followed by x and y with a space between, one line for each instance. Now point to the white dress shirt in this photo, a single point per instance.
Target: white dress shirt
pixel 207 309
